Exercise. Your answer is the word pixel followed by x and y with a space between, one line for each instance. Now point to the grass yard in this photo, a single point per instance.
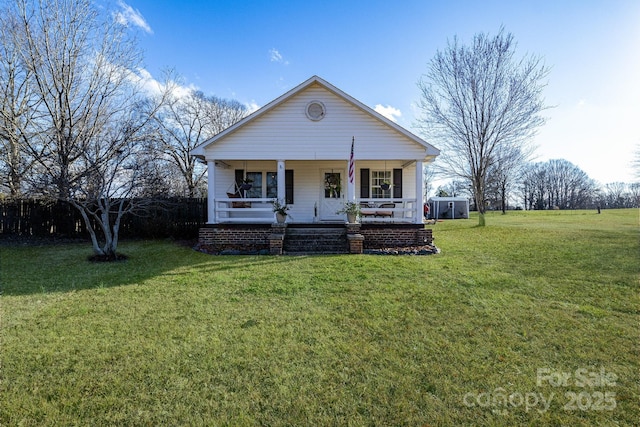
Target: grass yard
pixel 532 320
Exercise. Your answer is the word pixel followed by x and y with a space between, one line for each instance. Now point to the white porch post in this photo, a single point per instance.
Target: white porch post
pixel 282 189
pixel 419 192
pixel 211 191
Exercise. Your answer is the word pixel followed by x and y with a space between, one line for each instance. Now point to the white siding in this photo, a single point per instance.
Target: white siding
pixel 286 133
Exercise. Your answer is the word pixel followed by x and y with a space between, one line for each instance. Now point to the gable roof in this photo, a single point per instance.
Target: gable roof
pixel 199 151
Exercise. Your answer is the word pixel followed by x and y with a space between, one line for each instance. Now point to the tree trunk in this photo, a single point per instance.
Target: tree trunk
pixel 478 193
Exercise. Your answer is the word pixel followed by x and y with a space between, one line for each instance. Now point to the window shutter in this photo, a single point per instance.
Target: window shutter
pixel 364 184
pixel 397 183
pixel 288 184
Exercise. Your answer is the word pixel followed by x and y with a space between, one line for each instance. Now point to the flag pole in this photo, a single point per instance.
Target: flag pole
pixel 351 187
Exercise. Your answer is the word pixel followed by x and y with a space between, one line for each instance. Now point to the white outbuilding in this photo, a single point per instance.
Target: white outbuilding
pixel 448 208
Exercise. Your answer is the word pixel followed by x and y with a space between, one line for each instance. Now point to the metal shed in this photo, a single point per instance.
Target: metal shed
pixel 448 208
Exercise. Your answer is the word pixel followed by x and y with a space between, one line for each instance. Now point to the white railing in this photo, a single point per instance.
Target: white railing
pixel 260 210
pixel 244 210
pixel 381 210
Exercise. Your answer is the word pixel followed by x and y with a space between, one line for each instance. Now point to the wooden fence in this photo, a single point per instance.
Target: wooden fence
pixel 179 218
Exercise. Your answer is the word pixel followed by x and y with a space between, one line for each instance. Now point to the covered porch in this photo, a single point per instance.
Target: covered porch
pixel 387 191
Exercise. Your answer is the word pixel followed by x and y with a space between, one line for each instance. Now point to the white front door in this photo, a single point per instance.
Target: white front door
pixel 332 194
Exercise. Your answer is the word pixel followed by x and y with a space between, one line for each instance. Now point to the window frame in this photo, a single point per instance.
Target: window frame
pixel 378 177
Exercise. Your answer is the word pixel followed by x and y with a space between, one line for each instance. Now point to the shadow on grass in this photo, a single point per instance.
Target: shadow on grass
pixel 27 270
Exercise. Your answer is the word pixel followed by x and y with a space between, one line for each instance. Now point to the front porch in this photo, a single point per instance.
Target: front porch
pixel 278 239
pixel 242 191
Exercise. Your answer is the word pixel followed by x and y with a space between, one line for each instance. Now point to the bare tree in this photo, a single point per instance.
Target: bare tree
pixel 453 188
pixel 616 195
pixel 18 105
pixel 79 61
pixel 504 173
pixel 187 121
pixel 557 184
pixel 534 177
pixel 634 195
pixel 114 171
pixel 91 115
pixel 479 102
pixel 429 174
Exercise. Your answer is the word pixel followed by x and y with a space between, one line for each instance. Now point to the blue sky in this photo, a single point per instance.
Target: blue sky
pixel 376 51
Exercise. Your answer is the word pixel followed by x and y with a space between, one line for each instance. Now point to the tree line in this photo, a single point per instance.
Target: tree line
pixel 553 184
pixel 80 123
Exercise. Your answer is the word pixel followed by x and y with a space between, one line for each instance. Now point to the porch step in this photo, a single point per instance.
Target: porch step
pixel 324 240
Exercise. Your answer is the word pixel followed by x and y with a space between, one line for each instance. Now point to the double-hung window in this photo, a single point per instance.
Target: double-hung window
pixel 381 184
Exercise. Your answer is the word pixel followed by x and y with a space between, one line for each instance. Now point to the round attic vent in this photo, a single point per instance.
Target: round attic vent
pixel 315 110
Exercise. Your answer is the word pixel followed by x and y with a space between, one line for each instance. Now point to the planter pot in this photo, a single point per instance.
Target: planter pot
pixel 385 187
pixel 351 218
pixel 246 187
pixel 280 218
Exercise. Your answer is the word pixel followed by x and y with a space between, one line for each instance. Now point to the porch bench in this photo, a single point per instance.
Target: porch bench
pixel 368 212
pixel 238 204
pixel 386 214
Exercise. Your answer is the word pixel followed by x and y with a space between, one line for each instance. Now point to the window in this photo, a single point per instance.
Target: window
pixel 265 184
pixel 315 110
pixel 378 178
pixel 332 185
pixel 272 185
pixel 255 178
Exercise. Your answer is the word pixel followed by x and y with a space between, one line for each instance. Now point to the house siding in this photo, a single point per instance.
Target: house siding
pixel 286 133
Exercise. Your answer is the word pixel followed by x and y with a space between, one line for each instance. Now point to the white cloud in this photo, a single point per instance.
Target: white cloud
pixel 129 15
pixel 389 112
pixel 153 87
pixel 252 107
pixel 275 56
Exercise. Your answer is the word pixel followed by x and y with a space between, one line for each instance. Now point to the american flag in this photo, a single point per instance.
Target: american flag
pixel 352 166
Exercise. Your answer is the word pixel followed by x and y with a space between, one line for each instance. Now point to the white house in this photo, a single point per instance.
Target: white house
pixel 297 149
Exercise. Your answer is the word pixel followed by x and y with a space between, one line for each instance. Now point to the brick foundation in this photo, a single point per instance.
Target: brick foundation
pixel 236 235
pixel 378 236
pixel 271 236
pixel 355 243
pixel 276 238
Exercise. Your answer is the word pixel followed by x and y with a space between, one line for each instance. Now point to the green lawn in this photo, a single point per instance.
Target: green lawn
pixel 532 320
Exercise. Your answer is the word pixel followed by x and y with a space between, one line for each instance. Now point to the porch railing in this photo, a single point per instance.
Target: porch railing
pixel 259 210
pixel 387 210
pixel 244 210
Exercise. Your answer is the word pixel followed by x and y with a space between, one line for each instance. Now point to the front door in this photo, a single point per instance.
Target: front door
pixel 331 195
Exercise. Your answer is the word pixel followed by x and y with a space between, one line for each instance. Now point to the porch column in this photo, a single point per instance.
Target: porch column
pixel 282 189
pixel 211 191
pixel 419 192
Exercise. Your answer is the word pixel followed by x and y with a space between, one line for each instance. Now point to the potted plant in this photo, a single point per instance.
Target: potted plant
pixel 352 209
pixel 280 210
pixel 385 185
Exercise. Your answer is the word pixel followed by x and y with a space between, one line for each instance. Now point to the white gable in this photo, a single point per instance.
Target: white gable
pixel 282 130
